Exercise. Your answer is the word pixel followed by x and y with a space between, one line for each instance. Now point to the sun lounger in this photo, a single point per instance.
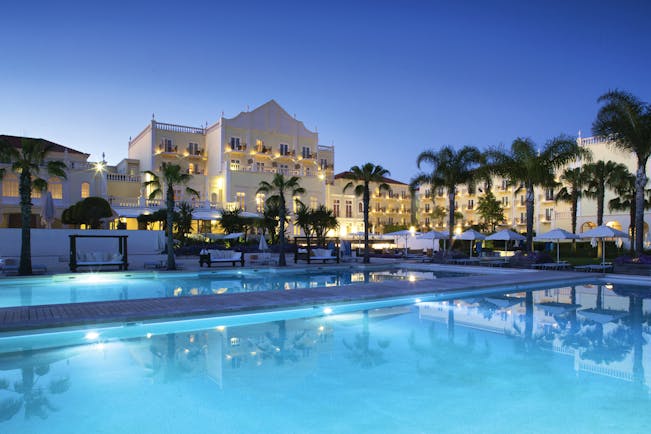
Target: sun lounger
pixel 210 257
pixel 315 255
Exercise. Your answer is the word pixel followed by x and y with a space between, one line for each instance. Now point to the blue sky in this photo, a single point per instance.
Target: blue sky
pixel 382 80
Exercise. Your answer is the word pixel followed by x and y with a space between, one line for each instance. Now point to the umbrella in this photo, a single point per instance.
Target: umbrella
pixel 47 210
pixel 602 232
pixel 434 235
pixel 263 244
pixel 506 235
pixel 403 233
pixel 557 235
pixel 470 235
pixel 250 215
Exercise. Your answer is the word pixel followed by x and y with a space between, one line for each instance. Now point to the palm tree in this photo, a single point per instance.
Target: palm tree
pixel 305 221
pixel 366 174
pixel 323 219
pixel 451 168
pixel 171 175
pixel 626 121
pixel 277 189
pixel 624 187
pixel 27 161
pixel 573 181
pixel 599 176
pixel 524 165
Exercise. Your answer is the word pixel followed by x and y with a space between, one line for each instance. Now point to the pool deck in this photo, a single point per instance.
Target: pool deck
pixel 30 318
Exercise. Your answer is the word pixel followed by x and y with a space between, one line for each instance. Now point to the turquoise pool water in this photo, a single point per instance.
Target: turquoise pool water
pixel 115 286
pixel 572 359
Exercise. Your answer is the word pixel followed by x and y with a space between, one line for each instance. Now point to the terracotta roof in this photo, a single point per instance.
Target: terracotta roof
pixel 15 141
pixel 342 175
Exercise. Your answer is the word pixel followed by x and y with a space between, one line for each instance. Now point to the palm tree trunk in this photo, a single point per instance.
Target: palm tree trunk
pixel 282 262
pixel 530 211
pixel 367 202
pixel 640 183
pixel 631 225
pixel 575 205
pixel 600 218
pixel 451 193
pixel 25 266
pixel 169 202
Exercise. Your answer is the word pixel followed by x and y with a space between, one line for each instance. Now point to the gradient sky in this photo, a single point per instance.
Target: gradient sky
pixel 382 80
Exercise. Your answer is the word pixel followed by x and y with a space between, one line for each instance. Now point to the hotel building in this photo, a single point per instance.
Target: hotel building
pixel 228 159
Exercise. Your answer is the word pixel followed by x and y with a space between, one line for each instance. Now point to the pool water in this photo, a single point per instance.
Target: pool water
pixel 114 286
pixel 572 359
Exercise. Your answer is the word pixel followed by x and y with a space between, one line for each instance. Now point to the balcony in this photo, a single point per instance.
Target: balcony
pixel 236 147
pixel 167 150
pixel 262 150
pixel 123 177
pixel 195 153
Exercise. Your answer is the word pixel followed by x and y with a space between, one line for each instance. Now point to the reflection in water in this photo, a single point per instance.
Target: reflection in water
pixel 36 386
pixel 360 352
pixel 533 355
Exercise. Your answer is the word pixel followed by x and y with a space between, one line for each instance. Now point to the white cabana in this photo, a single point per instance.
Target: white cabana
pixel 433 235
pixel 506 235
pixel 405 234
pixel 557 235
pixel 470 235
pixel 603 232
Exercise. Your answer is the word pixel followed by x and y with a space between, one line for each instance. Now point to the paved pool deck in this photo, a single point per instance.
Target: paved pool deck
pixel 32 318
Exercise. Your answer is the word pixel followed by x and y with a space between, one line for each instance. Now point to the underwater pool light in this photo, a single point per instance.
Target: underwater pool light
pixel 91 336
pixel 327 310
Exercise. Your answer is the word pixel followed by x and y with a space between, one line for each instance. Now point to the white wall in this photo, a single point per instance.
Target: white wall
pixel 51 247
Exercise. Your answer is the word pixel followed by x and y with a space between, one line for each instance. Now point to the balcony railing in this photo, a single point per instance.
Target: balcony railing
pixel 123 177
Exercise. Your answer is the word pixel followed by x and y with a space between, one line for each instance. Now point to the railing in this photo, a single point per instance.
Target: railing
pixel 292 172
pixel 179 128
pixel 235 147
pixel 593 140
pixel 195 152
pixel 122 177
pixel 325 148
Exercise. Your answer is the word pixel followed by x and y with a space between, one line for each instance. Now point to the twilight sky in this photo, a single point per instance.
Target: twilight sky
pixel 382 80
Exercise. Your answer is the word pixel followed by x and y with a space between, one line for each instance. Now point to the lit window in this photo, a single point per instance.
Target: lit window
pixel 10 186
pixel 259 202
pixel 55 187
pixel 241 200
pixel 313 202
pixel 85 190
pixel 235 164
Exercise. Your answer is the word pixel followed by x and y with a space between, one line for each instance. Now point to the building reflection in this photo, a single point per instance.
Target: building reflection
pixel 603 328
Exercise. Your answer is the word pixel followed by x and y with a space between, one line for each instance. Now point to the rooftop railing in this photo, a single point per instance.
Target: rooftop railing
pixel 179 128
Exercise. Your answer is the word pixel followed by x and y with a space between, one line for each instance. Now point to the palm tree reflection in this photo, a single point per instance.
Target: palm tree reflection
pixel 30 391
pixel 360 351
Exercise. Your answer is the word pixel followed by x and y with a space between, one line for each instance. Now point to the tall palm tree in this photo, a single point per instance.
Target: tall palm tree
pixel 624 187
pixel 525 165
pixel 599 176
pixel 626 121
pixel 28 161
pixel 573 181
pixel 450 168
pixel 366 174
pixel 171 175
pixel 276 190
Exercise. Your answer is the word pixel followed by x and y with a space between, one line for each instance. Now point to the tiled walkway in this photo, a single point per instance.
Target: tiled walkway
pixel 124 311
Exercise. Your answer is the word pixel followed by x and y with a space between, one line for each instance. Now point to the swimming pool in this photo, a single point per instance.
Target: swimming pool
pixel 570 359
pixel 79 288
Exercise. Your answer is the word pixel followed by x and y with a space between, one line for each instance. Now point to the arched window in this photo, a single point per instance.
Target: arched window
pixel 10 185
pixel 360 207
pixel 85 190
pixel 55 187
